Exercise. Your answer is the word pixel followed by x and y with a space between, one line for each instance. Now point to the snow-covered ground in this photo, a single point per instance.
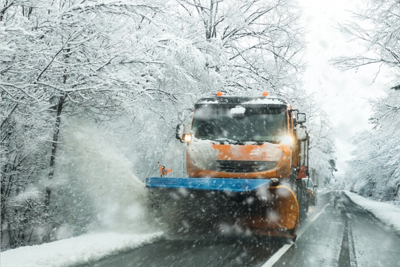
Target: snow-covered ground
pixel 75 251
pixel 387 213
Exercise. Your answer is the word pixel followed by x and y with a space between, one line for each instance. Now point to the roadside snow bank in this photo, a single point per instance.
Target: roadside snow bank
pixel 74 251
pixel 387 213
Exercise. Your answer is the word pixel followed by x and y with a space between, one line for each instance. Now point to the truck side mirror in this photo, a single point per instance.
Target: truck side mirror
pixel 179 132
pixel 301 118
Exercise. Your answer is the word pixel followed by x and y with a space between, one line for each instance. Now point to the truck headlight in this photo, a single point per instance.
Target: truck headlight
pixel 187 137
pixel 287 140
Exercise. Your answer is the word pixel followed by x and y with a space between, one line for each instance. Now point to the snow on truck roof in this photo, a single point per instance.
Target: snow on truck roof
pixel 242 100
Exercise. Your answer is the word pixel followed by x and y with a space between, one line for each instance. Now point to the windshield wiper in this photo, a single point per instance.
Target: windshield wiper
pixel 229 141
pixel 237 142
pixel 264 141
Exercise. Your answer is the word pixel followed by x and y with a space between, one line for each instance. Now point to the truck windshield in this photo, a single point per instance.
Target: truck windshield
pixel 259 123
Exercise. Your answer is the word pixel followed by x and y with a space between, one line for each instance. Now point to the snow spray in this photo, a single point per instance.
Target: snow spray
pixel 89 159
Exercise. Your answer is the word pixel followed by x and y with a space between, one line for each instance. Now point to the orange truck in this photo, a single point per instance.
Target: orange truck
pixel 245 160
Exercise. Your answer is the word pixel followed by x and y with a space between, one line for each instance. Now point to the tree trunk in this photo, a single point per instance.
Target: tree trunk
pixel 56 135
pixel 59 108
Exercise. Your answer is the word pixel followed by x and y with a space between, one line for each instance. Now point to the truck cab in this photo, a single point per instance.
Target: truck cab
pixel 242 137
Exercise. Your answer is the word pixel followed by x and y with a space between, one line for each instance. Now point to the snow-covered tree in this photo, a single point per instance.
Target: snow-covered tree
pixel 374 171
pixel 91 59
pixel 260 42
pixel 377 28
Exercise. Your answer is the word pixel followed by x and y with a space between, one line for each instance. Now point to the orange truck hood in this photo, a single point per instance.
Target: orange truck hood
pixel 264 152
pixel 204 158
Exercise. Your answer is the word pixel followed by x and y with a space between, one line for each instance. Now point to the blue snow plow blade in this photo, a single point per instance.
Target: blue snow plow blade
pixel 208 184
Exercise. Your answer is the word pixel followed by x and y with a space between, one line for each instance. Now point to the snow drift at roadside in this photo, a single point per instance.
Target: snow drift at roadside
pixel 387 213
pixel 75 251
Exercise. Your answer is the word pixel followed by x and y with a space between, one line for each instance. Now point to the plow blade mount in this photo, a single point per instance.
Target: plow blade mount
pixel 224 205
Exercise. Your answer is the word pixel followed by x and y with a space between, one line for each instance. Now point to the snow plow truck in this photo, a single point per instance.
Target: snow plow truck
pixel 245 161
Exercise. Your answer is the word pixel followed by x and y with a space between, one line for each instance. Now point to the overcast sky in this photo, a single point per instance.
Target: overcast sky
pixel 343 95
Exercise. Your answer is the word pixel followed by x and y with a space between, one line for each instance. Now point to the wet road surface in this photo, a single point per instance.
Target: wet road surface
pixel 336 233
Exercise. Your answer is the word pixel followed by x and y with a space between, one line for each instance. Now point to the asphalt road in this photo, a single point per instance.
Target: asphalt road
pixel 336 233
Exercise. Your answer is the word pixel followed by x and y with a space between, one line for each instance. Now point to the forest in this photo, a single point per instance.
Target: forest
pixel 90 91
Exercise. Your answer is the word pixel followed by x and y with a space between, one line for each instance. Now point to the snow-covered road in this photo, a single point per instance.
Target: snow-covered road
pixel 344 229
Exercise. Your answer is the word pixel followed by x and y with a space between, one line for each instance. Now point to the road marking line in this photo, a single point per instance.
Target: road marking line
pixel 271 261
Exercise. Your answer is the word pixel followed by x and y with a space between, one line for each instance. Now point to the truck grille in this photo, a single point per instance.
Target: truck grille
pixel 245 166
